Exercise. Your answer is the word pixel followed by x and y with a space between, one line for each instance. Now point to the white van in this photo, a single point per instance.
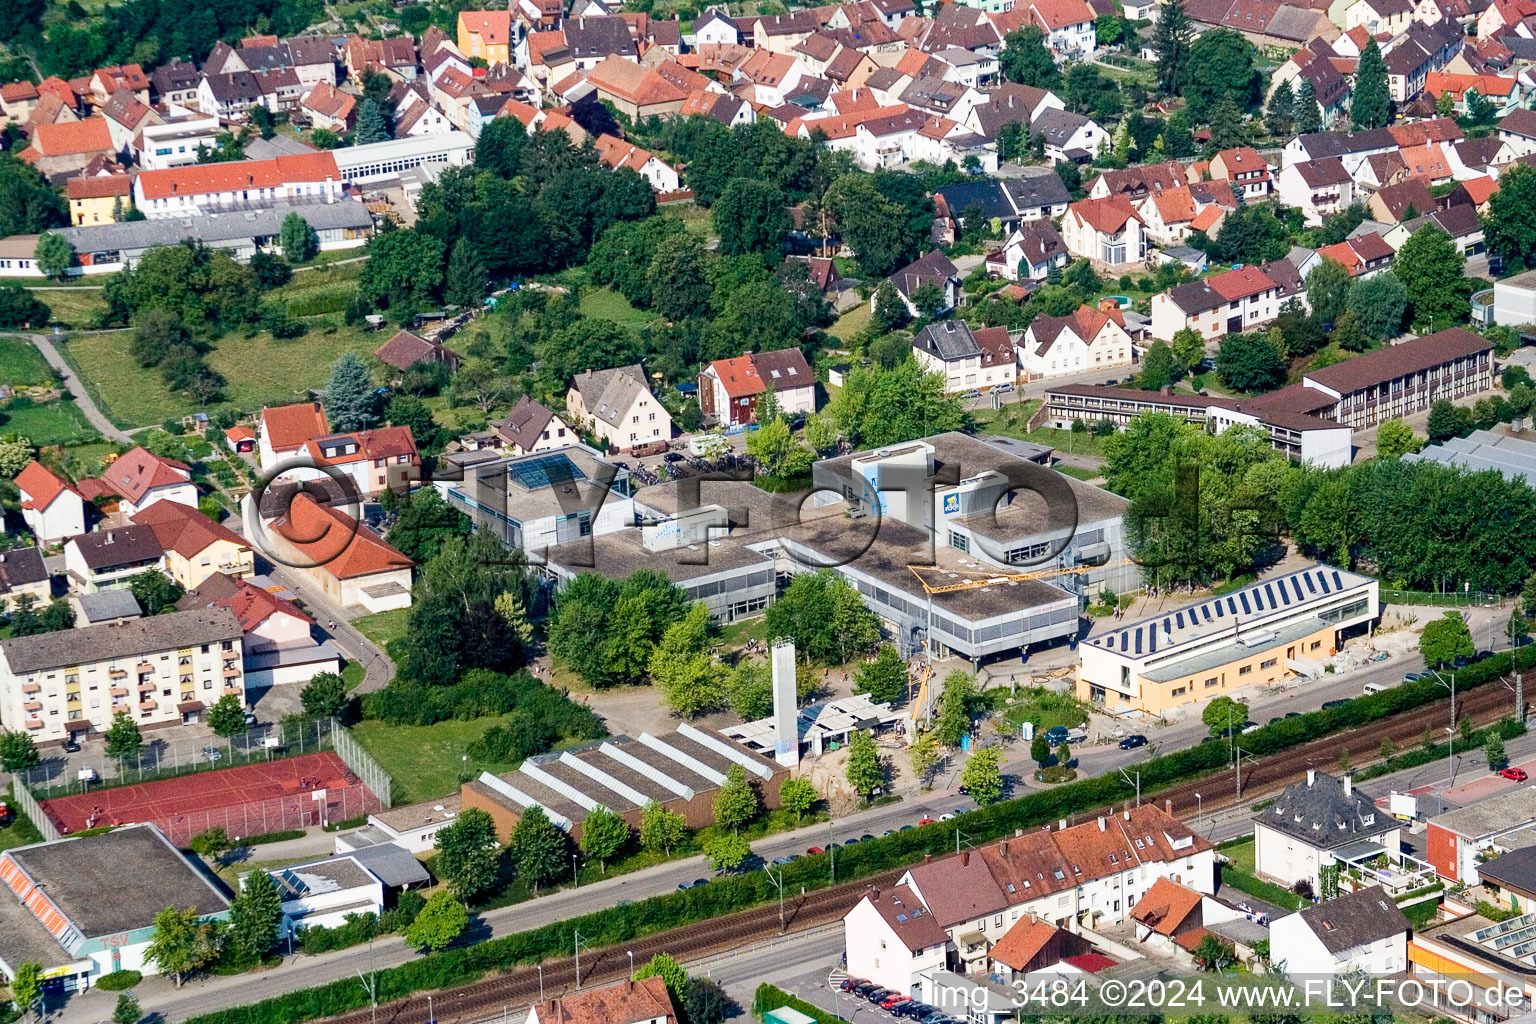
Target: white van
pixel 1371 688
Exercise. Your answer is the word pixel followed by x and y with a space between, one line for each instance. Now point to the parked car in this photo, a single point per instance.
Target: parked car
pixel 1336 703
pixel 849 984
pixel 71 745
pixel 779 862
pixel 893 1000
pixel 914 1010
pixel 1002 389
pixel 1133 741
pixel 877 995
pixel 926 820
pixel 864 988
pixel 1412 677
pixel 1514 774
pixel 814 850
pixel 684 885
pixel 213 753
pixel 973 393
pixel 1056 735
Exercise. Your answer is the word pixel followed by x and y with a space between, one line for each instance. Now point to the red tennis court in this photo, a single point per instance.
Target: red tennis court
pixel 247 800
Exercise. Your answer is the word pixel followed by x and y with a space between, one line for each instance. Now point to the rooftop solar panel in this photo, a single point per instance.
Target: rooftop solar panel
pixel 544 472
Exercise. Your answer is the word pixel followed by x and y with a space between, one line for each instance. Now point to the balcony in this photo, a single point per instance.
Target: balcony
pixel 147 705
pixel 118 673
pixel 31 687
pixel 146 684
pixel 230 655
pixel 33 723
pixel 143 668
pixel 231 671
pixel 32 705
pixel 119 691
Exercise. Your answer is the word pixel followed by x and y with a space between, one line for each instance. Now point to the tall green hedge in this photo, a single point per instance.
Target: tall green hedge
pixel 727 895
pixel 767 997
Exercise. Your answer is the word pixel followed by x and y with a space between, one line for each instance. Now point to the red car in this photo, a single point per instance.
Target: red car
pixel 815 850
pixel 892 999
pixel 1514 774
pixel 926 820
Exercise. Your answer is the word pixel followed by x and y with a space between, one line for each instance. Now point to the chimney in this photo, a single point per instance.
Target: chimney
pixel 109 538
pixel 1349 786
pixel 1061 826
pixel 1311 777
pixel 1168 807
pixel 965 858
pixel 927 858
pixel 1102 825
pixel 1003 847
pixel 1127 812
pixel 874 892
pixel 1018 833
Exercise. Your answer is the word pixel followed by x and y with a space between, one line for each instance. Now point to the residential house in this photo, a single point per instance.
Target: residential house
pixel 616 153
pixel 1363 255
pixel 52 507
pixel 195 547
pixel 1424 48
pixel 1140 182
pixel 1359 933
pixel 242 185
pixel 1405 200
pixel 891 938
pixel 98 200
pixel 176 141
pixel 110 558
pixel 285 429
pixel 1087 339
pixel 617 407
pixel 279 643
pixel 1010 103
pixel 376 460
pixel 486 34
pixel 951 348
pixel 1029 253
pixel 405 350
pixel 347 561
pixel 1108 231
pixel 328 107
pixel 1227 303
pixel 140 478
pixel 715 28
pixel 1173 214
pixel 729 389
pixel 22 572
pixel 68 146
pixel 1034 945
pixel 1068 26
pixel 1299 836
pixel 1068 136
pixel 1245 169
pixel 1518 131
pixel 106 81
pixel 530 427
pixel 640 1001
pixel 17 101
pixel 1319 188
pixel 639 91
pixel 126 117
pixel 931 268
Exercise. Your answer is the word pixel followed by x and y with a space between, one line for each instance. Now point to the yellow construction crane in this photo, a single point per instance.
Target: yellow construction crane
pixel 991 578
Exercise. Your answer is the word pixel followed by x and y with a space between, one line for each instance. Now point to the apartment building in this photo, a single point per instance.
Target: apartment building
pixel 968 359
pixel 618 407
pixel 243 185
pixel 1404 379
pixel 161 670
pixel 1228 303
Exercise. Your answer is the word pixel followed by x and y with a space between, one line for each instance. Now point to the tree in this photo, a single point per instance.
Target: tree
pixel 1280 113
pixel 297 238
pixel 869 223
pixel 1431 271
pixel 1308 115
pixel 1026 60
pixel 424 523
pixel 1446 421
pixel 689 676
pixel 1445 639
pixel 1172 40
pixel 1493 749
pixel 499 149
pixel 28 204
pixel 404 269
pixel 751 216
pixel 270 271
pixel 1159 369
pixel 1517 629
pixel 181 944
pixel 538 848
pixel 437 924
pixel 254 915
pixel 679 277
pixel 1222 714
pixel 27 985
pixel 1328 290
pixel 735 803
pixel 727 851
pixel 1250 363
pixel 466 282
pixel 877 408
pixel 953 720
pixel 798 796
pixel 865 771
pixel 885 678
pixel 18 752
pixel 890 312
pixel 705 1002
pixel 15 452
pixel 668 970
pixel 1221 67
pixel 467 855
pixel 156 592
pixel 1039 748
pixel 1188 349
pixel 53 254
pixel 1213 953
pixel 123 739
pixel 982 775
pixel 19 308
pixel 777 452
pixel 660 829
pixel 350 401
pixel 1510 225
pixel 825 617
pixel 227 716
pixel 371 126
pixel 603 835
pixel 127 1009
pixel 1395 438
pixel 1348 335
pixel 1370 106
pixel 1379 304
pixel 1227 127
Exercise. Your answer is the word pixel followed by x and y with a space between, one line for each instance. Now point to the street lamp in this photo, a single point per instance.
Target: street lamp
pixel 575 879
pixel 541 981
pixel 431 1013
pixel 631 962
pixel 1452 730
pixel 1199 811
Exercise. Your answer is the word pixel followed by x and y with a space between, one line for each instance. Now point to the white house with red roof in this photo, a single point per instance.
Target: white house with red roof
pixel 1245 169
pixel 729 388
pixel 140 478
pixel 196 547
pixel 279 646
pixel 384 458
pixel 1068 26
pixel 351 564
pixel 615 153
pixel 968 359
pixel 50 505
pixel 891 938
pixel 1087 339
pixel 178 191
pixel 286 428
pixel 1108 231
pixel 1227 303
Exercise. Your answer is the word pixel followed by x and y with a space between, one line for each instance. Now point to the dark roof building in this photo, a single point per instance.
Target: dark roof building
pixel 1324 812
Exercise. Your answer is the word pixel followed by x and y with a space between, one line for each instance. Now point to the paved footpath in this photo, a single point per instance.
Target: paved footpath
pixel 44 344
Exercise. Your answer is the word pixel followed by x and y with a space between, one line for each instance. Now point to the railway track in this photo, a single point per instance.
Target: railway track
pixel 505 992
pixel 512 991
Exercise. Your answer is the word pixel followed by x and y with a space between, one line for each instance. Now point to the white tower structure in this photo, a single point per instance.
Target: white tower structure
pixel 786 716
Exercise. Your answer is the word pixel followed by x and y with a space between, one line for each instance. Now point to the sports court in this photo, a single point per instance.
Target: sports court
pixel 251 799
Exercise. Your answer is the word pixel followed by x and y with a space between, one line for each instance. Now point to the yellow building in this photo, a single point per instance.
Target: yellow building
pixel 94 200
pixel 1257 636
pixel 196 548
pixel 487 35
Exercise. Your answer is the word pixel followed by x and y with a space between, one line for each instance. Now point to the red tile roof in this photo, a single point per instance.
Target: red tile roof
pixel 620 1003
pixel 138 472
pixel 493 27
pixel 287 427
pixel 1165 906
pixel 68 138
pixel 101 187
pixel 738 376
pixel 183 529
pixel 336 542
pixel 253 606
pixel 40 485
pixel 1107 215
pixel 1240 283
pixel 1023 942
pixel 205 178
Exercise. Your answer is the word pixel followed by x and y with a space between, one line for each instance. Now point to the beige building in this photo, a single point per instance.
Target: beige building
pixel 617 406
pixel 161 670
pixel 196 548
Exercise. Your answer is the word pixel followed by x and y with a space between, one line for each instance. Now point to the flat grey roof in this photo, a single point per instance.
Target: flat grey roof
pixel 1506 812
pixel 125 638
pixel 616 555
pixel 421 815
pixel 1514 457
pixel 214 227
pixel 118 881
pixel 23 938
pixel 1227 652
pixel 109 604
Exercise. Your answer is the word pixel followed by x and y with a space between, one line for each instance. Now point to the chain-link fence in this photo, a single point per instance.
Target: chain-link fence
pixel 34 813
pixel 169 759
pixel 274 814
pixel 1460 599
pixel 361 762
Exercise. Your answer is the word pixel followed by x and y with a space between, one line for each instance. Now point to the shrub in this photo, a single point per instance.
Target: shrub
pixel 117 981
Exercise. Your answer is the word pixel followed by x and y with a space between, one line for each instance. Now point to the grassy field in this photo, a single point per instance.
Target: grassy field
pixel 851 323
pixel 20 363
pixel 427 761
pixel 1079 473
pixel 73 308
pixel 47 423
pixel 260 370
pixel 1240 875
pixel 696 219
pixel 20 831
pixel 607 304
pixel 382 627
pixel 1011 420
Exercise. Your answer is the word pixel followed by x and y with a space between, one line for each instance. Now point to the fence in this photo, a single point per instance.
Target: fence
pixel 28 804
pixel 274 814
pixel 1450 600
pixel 169 759
pixel 362 764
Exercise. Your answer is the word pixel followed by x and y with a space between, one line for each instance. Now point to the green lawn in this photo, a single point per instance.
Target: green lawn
pixel 851 323
pixel 1079 473
pixel 259 370
pixel 382 627
pixel 427 761
pixel 21 363
pixel 48 423
pixel 1240 875
pixel 1045 708
pixel 696 219
pixel 19 831
pixel 1012 420
pixel 74 308
pixel 607 304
